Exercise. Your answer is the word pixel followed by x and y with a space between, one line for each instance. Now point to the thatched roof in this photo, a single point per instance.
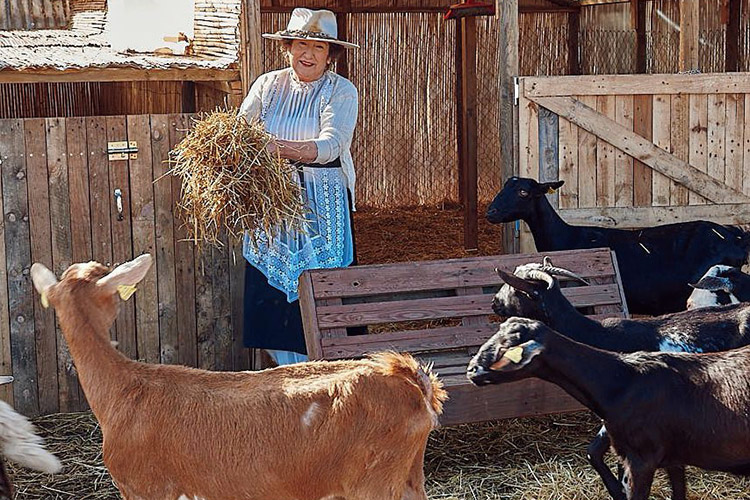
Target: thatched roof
pixel 85 45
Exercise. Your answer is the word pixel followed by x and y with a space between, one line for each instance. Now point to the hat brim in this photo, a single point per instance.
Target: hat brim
pixel 276 36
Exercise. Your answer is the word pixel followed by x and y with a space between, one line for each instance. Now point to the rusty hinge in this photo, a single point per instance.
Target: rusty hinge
pixel 122 150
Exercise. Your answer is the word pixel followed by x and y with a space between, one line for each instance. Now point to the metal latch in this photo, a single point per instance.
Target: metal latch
pixel 122 150
pixel 516 90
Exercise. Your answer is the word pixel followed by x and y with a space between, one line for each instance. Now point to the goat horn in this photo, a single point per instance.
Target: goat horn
pixel 713 284
pixel 541 275
pixel 560 271
pixel 514 281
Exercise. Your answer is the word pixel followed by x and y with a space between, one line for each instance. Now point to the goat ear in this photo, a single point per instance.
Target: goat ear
pixel 42 278
pixel 714 284
pixel 517 357
pixel 126 274
pixel 550 187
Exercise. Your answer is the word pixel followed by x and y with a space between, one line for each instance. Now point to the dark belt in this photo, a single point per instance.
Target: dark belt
pixel 331 164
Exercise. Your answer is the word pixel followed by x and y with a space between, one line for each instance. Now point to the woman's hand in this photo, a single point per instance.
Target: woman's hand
pixel 302 151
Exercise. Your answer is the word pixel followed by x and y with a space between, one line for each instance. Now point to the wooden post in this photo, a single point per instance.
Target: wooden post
pixel 732 62
pixel 508 70
pixel 689 34
pixel 460 146
pixel 188 97
pixel 251 54
pixel 342 65
pixel 574 23
pixel 638 15
pixel 469 118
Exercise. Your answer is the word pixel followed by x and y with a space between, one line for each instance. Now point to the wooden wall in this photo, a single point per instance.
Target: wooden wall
pixel 640 150
pixel 57 190
pixel 34 14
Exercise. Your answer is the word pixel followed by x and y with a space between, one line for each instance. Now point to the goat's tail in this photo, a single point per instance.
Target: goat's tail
pixel 20 444
pixel 404 365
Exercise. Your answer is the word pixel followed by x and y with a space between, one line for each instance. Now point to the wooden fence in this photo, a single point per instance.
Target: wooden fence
pixel 639 150
pixel 59 207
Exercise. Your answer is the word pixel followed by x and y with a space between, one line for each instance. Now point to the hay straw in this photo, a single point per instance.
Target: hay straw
pixel 231 182
pixel 542 458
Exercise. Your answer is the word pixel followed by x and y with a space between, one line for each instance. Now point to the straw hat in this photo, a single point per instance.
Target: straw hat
pixel 306 24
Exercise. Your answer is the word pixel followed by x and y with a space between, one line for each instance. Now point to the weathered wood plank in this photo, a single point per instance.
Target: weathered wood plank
pixel 528 133
pixel 605 156
pixel 642 125
pixel 122 240
pixel 18 262
pixel 707 83
pixel 636 146
pixel 509 113
pixel 222 308
pixel 6 363
pixel 164 240
pixel 144 236
pixel 549 139
pixel 587 167
pixel 638 217
pixel 735 136
pixel 689 35
pixel 680 144
pixel 205 315
pixel 93 74
pixel 624 163
pixel 184 263
pixel 41 251
pixel 309 320
pixel 236 287
pixel 697 140
pixel 359 281
pixel 662 112
pixel 62 248
pixel 717 123
pixel 568 164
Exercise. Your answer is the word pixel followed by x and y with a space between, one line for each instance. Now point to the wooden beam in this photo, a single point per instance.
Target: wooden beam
pixel 574 25
pixel 188 97
pixel 507 12
pixel 638 11
pixel 117 75
pixel 719 83
pixel 642 149
pixel 458 54
pixel 469 129
pixel 732 61
pixel 636 217
pixel 251 52
pixel 689 35
pixel 342 65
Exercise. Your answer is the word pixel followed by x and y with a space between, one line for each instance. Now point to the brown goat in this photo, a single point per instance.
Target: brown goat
pixel 319 430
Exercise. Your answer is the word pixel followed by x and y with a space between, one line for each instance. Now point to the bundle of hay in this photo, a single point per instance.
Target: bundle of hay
pixel 231 182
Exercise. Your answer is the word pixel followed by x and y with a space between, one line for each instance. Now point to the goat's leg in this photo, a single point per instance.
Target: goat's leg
pixel 595 454
pixel 414 489
pixel 677 480
pixel 638 479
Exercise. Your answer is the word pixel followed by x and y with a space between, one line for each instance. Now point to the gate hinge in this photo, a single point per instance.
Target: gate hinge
pixel 516 90
pixel 122 150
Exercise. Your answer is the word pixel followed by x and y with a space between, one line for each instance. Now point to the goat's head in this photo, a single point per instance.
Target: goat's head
pixel 508 355
pixel 89 287
pixel 528 291
pixel 717 287
pixel 518 198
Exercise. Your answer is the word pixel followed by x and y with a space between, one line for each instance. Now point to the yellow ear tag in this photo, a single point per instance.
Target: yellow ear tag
pixel 125 291
pixel 550 191
pixel 514 354
pixel 45 302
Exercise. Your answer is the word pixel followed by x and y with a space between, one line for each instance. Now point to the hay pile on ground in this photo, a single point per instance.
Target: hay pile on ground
pixel 230 181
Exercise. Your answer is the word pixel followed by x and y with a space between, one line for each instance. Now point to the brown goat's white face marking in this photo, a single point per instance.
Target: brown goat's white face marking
pixel 183 497
pixel 311 415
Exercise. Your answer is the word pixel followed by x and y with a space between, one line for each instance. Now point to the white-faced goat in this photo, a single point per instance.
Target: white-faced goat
pixel 656 263
pixel 534 292
pixel 20 444
pixel 662 410
pixel 720 285
pixel 346 429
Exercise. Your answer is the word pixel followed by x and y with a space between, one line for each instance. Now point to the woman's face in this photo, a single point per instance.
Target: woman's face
pixel 308 59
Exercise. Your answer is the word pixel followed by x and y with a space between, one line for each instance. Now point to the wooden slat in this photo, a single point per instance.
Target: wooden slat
pixel 309 321
pixel 680 147
pixel 164 240
pixel 568 164
pixel 719 83
pixel 528 135
pixel 142 208
pixel 18 261
pixel 662 139
pixel 632 144
pixel 605 156
pixel 735 137
pixel 41 251
pixel 717 124
pixel 222 308
pixel 549 139
pixel 184 264
pixel 62 248
pixel 117 75
pixel 587 162
pixel 689 35
pixel 472 320
pixel 348 315
pixel 642 125
pixel 204 290
pixel 697 140
pixel 6 364
pixel 236 291
pixel 638 217
pixel 509 113
pixel 359 281
pixel 624 163
pixel 122 240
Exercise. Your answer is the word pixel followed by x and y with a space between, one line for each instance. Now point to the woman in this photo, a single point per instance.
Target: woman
pixel 312 112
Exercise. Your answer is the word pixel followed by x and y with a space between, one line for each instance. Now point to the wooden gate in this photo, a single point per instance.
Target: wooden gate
pixel 59 197
pixel 639 150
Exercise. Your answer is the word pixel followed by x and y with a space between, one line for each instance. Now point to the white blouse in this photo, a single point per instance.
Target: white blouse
pixel 324 111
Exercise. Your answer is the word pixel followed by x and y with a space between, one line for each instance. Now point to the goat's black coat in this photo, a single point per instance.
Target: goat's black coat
pixel 662 410
pixel 655 278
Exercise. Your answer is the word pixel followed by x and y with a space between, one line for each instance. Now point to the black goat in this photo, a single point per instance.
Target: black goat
pixel 656 263
pixel 663 410
pixel 533 292
pixel 719 286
